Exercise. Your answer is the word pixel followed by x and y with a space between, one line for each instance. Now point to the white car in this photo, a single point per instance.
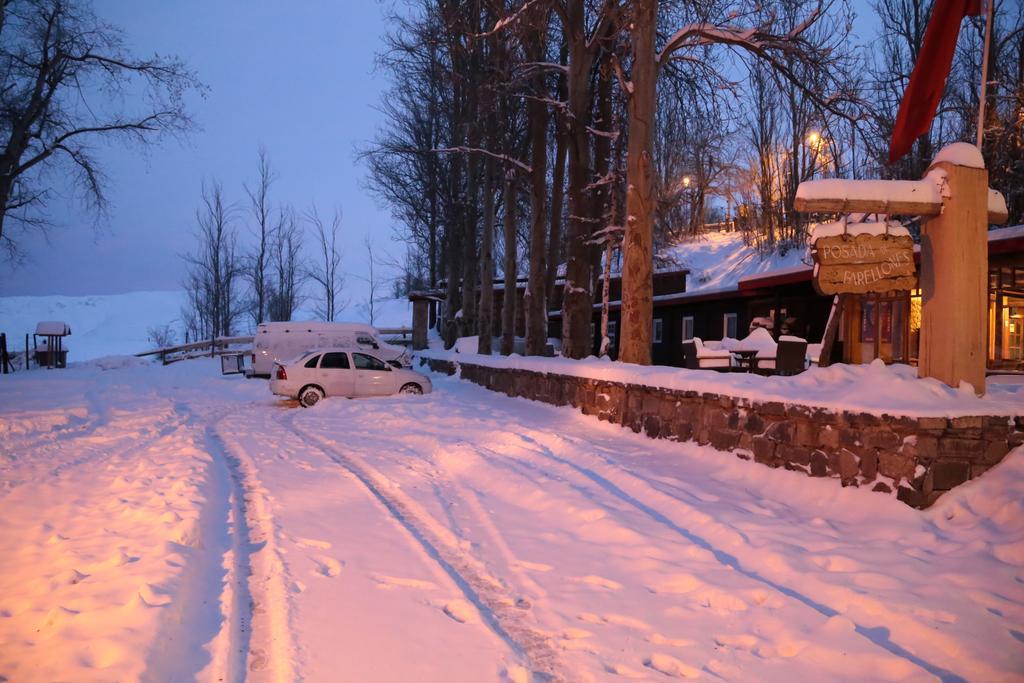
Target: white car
pixel 342 372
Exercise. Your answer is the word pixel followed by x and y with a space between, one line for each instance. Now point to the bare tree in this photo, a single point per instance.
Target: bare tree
pixel 327 273
pixel 212 270
pixel 287 274
pixel 374 282
pixel 66 78
pixel 263 230
pixel 794 54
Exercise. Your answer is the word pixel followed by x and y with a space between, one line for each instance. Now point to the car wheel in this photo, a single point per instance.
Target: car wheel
pixel 310 396
pixel 411 389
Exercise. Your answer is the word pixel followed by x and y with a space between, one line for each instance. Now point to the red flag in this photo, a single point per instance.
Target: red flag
pixel 928 79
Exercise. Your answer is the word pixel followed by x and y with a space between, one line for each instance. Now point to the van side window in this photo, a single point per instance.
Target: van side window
pixel 338 361
pixel 311 363
pixel 364 362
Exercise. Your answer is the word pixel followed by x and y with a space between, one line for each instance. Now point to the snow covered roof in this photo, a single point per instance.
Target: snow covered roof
pixel 53 328
pixel 721 264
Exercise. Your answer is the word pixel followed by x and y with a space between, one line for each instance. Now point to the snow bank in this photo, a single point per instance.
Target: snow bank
pixel 875 388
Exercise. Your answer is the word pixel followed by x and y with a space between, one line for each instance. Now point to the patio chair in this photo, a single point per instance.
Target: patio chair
pixel 790 357
pixel 712 359
pixel 690 355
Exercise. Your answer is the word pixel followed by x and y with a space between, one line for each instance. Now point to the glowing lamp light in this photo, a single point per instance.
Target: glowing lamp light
pixel 686 181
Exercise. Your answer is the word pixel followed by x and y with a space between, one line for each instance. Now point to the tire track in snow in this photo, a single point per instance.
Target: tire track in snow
pixel 498 608
pixel 634 489
pixel 258 641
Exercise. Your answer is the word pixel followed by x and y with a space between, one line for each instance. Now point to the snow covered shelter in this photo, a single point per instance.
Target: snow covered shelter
pixel 49 344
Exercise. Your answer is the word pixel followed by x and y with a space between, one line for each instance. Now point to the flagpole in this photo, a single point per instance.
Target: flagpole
pixel 984 71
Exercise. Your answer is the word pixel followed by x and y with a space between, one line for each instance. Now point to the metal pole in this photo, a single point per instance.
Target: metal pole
pixel 989 15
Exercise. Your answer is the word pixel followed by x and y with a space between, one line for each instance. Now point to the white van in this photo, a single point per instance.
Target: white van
pixel 284 341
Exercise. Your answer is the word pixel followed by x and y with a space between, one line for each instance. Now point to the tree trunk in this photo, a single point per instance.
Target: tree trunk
pixel 637 275
pixel 557 195
pixel 508 298
pixel 485 316
pixel 576 298
pixel 535 303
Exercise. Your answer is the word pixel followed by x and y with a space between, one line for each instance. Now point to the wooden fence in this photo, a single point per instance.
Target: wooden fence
pixel 205 347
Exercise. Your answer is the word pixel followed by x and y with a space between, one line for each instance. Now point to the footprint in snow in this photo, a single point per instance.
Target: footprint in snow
pixel 327 566
pixel 670 666
pixel 600 582
pixel 461 611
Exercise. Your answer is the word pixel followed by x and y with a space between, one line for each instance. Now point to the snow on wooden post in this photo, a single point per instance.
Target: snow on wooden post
pixel 954 272
pixel 957 205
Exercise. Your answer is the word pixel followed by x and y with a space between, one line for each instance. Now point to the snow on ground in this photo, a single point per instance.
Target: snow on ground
pixel 168 523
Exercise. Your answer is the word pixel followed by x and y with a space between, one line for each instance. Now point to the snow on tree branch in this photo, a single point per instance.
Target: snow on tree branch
pixel 526 168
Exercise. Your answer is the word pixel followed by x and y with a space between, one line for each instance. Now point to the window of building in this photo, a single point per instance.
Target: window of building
pixel 687 328
pixel 729 325
pixel 612 329
pixel 659 326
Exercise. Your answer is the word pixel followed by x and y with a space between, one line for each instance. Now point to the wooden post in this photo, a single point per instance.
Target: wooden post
pixel 828 340
pixel 420 314
pixel 954 281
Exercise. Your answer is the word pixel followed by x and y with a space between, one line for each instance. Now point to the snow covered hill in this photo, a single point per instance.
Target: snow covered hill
pixel 100 325
pixel 117 324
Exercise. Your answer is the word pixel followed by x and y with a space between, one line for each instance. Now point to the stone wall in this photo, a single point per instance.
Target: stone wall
pixel 916 459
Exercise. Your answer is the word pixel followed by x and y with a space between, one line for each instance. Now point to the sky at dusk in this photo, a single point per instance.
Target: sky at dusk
pixel 298 78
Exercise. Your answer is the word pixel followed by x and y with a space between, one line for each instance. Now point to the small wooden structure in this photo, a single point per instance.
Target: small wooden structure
pixel 50 352
pixel 957 206
pixel 424 316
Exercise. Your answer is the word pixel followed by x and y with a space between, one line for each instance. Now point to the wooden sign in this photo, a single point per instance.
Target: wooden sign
pixel 858 264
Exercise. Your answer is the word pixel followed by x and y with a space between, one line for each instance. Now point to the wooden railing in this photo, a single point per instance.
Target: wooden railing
pixel 396 335
pixel 205 347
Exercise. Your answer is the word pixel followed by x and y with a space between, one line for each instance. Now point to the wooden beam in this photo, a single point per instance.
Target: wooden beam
pixel 892 197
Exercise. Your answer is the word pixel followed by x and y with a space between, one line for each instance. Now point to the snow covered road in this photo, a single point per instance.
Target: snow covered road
pixel 169 524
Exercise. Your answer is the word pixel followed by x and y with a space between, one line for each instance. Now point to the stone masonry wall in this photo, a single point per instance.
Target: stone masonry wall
pixel 916 459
